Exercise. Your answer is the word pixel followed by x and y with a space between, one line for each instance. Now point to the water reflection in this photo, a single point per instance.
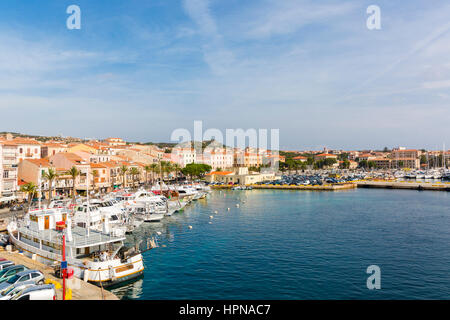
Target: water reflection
pixel 130 291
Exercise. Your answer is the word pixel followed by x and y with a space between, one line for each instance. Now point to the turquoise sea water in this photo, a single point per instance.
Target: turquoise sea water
pixel 300 245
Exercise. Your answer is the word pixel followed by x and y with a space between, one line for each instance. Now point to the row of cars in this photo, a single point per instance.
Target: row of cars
pixel 313 180
pixel 17 282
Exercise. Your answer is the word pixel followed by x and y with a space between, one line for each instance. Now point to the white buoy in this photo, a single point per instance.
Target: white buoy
pixel 158 233
pixel 237 205
pixel 190 227
pixel 216 211
pixel 228 209
pixel 211 217
pixel 210 222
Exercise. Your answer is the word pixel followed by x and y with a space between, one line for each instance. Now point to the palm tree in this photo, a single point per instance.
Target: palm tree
pixel 94 175
pixel 168 168
pixel 30 189
pixel 134 172
pixel 147 169
pixel 154 167
pixel 50 176
pixel 176 167
pixel 123 172
pixel 73 173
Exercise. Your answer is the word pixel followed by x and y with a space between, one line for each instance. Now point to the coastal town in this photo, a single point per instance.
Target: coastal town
pixel 68 205
pixel 112 163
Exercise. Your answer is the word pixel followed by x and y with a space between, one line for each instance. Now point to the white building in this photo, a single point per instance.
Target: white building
pixel 8 168
pixel 184 156
pixel 218 158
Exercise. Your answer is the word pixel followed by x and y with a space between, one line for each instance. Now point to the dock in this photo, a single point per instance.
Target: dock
pixel 80 290
pixel 325 187
pixel 384 184
pixel 406 185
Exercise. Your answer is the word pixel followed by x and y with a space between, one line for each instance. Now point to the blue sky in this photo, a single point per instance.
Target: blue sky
pixel 140 69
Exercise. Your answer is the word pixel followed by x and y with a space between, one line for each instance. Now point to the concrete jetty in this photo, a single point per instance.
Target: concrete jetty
pixel 325 187
pixel 80 290
pixel 407 185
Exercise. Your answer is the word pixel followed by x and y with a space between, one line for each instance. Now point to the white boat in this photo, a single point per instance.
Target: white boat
pixel 97 257
pixel 90 215
pixel 145 212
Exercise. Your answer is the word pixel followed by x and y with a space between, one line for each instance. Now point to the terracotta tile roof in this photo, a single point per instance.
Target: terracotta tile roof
pixel 326 155
pixel 220 173
pixel 39 162
pixel 26 141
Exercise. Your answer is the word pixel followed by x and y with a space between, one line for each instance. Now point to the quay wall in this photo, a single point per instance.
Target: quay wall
pixel 80 290
pixel 386 184
pixel 407 185
pixel 325 187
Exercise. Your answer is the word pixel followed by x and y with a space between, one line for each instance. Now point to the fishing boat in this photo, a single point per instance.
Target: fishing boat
pixel 98 257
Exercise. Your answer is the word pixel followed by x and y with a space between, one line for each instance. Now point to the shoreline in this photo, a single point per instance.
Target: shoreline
pixel 381 184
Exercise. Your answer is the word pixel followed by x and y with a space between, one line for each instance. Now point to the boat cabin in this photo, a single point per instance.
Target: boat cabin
pixel 45 219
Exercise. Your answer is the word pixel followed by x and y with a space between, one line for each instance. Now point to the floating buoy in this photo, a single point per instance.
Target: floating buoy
pixel 237 205
pixel 211 217
pixel 216 211
pixel 158 233
pixel 190 227
pixel 210 222
pixel 228 209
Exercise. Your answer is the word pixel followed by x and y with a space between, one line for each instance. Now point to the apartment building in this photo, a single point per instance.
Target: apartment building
pixel 218 158
pixel 8 168
pixel 184 156
pixel 51 148
pixel 115 142
pixel 397 163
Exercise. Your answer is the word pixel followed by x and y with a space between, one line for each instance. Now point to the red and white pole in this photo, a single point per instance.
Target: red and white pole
pixel 64 270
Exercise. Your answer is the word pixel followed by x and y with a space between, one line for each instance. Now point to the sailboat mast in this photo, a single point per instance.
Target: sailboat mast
pixel 88 209
pixel 40 185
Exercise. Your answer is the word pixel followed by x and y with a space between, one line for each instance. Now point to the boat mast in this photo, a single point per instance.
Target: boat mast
pixel 40 185
pixel 87 210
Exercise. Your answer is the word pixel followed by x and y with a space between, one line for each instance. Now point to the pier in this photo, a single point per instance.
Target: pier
pixel 406 185
pixel 325 187
pixel 384 184
pixel 81 290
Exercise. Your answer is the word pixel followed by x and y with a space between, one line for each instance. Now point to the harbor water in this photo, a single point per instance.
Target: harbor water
pixel 280 244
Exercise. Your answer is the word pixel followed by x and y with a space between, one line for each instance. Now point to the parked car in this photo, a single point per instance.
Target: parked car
pixel 12 290
pixel 4 239
pixel 10 272
pixel 42 292
pixel 5 264
pixel 28 275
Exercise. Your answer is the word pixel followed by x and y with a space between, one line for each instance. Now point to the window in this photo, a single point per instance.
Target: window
pixel 25 297
pixel 25 278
